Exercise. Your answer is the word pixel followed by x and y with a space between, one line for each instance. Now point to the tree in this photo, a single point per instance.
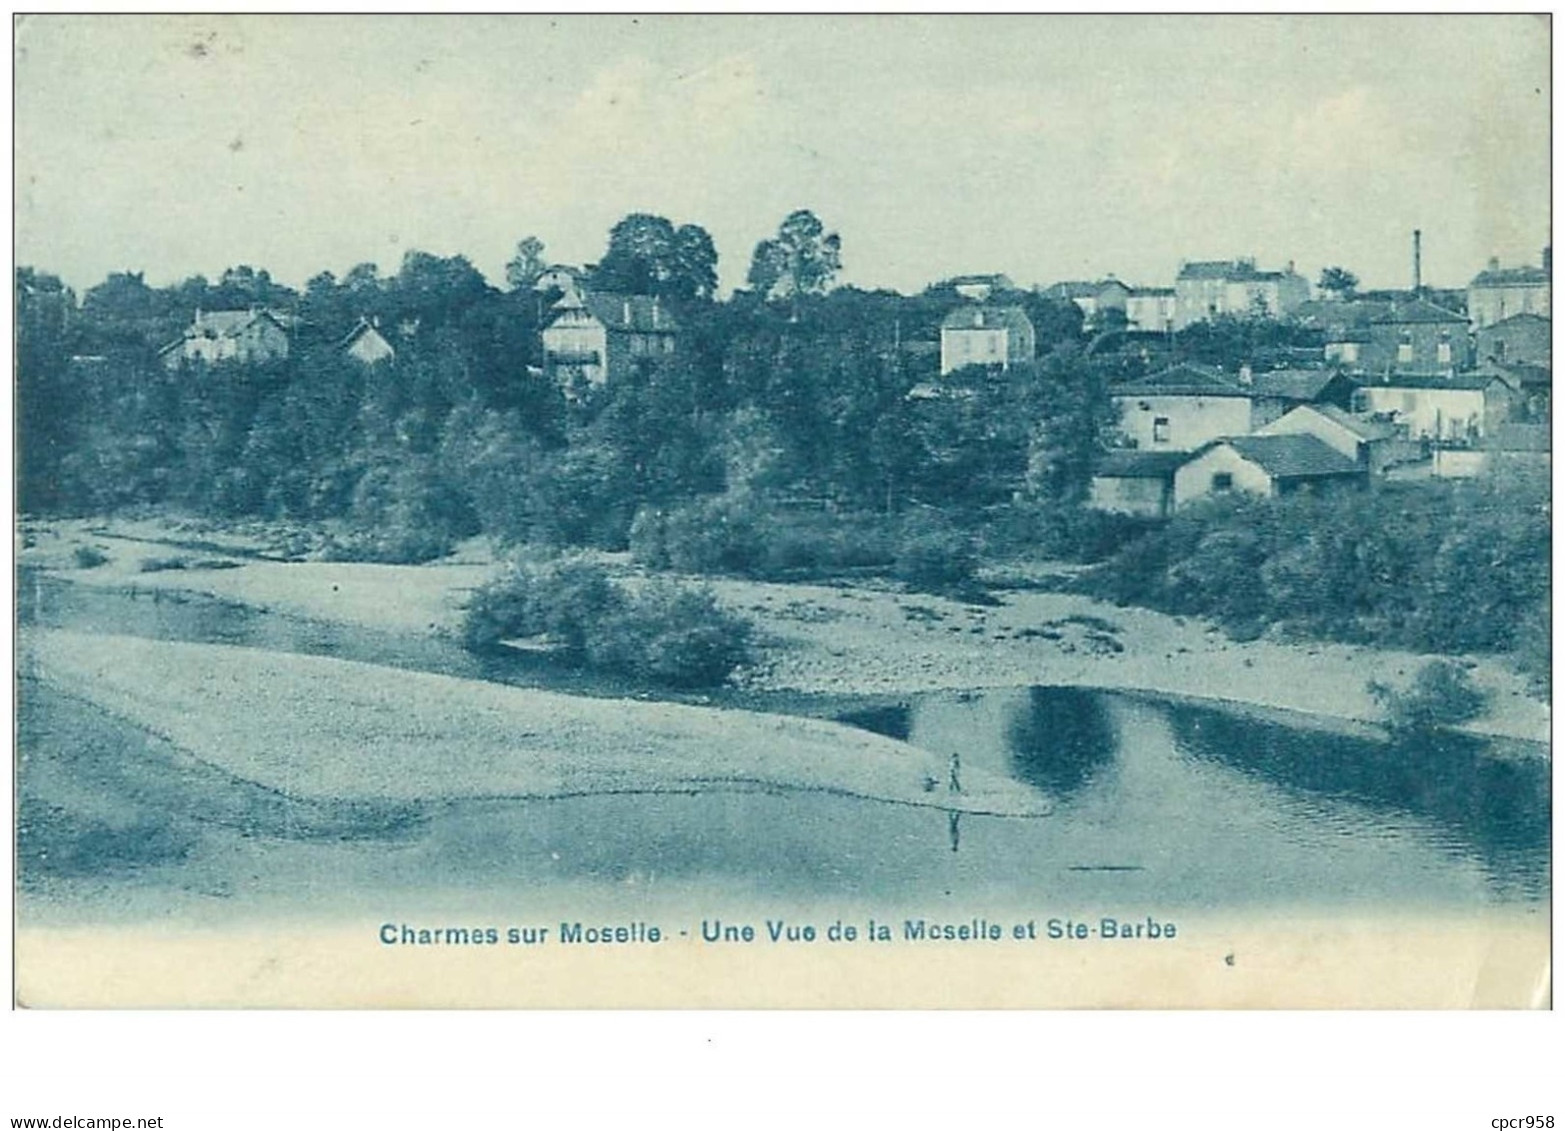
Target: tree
pixel 525 267
pixel 1338 282
pixel 647 255
pixel 802 260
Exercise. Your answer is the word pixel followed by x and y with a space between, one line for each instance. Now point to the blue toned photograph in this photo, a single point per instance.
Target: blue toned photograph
pixel 783 511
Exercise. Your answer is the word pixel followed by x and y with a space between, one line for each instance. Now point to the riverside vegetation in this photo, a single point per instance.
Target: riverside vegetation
pixel 779 442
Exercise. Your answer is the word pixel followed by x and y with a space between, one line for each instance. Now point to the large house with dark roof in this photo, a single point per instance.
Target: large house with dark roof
pixel 1497 293
pixel 1415 337
pixel 599 337
pixel 978 334
pixel 245 336
pixel 1209 289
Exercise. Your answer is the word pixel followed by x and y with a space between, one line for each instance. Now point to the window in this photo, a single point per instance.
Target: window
pixel 1405 347
pixel 1160 429
pixel 1443 349
pixel 1222 481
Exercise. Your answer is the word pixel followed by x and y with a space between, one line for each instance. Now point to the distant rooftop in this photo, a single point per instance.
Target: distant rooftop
pixel 1186 379
pixel 1293 456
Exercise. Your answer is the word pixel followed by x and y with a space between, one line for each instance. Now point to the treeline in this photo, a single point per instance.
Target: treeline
pixel 790 394
pixel 1445 567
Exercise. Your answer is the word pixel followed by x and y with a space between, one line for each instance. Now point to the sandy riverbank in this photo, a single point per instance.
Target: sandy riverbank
pixel 860 639
pixel 319 729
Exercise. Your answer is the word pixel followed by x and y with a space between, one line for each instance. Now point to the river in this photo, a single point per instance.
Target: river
pixel 1158 808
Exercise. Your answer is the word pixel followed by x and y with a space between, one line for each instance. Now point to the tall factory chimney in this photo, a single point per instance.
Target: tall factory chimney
pixel 1418 262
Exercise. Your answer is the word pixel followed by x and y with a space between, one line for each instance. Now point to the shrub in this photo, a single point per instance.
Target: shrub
pixel 934 556
pixel 88 557
pixel 160 565
pixel 1061 531
pixel 669 635
pixel 746 534
pixel 663 634
pixel 562 599
pixel 1442 695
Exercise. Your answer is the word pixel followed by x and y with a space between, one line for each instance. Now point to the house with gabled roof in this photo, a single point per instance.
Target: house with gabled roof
pixel 1496 293
pixel 1525 338
pixel 1263 465
pixel 245 336
pixel 1207 289
pixel 599 337
pixel 1416 337
pixel 1370 443
pixel 1092 298
pixel 366 344
pixel 979 334
pixel 1182 407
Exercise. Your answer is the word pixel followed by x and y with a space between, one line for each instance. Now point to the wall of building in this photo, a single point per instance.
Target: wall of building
pixel 1488 305
pixel 1527 340
pixel 1192 421
pixel 1416 347
pixel 988 346
pixel 1145 498
pixel 1150 312
pixel 576 337
pixel 1307 422
pixel 1195 480
pixel 1450 414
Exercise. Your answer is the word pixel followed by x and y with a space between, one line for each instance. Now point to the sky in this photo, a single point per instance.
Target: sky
pixel 1044 147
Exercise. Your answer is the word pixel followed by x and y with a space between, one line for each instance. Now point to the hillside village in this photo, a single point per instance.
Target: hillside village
pixel 798 429
pixel 1402 384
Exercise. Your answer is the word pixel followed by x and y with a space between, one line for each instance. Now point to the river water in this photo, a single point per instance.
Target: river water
pixel 1158 808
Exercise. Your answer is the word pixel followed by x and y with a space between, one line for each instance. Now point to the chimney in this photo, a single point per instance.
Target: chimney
pixel 1418 262
pixel 1494 263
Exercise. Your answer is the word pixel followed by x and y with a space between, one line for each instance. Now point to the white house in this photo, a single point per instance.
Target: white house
pixel 365 343
pixel 1262 465
pixel 1369 443
pixel 1435 407
pixel 229 335
pixel 1150 308
pixel 985 335
pixel 1182 408
pixel 601 337
pixel 1209 289
pixel 1497 293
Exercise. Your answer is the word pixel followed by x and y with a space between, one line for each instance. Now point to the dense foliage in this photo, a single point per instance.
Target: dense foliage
pixel 792 395
pixel 659 632
pixel 1433 567
pixel 799 428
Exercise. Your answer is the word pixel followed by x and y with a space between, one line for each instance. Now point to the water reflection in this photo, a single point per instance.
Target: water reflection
pixel 1495 806
pixel 1159 804
pixel 1060 738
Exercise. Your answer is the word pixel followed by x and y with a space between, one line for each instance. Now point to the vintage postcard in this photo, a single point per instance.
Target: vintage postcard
pixel 758 511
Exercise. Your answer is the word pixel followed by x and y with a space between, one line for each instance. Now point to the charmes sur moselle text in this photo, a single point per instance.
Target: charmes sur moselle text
pixel 720 932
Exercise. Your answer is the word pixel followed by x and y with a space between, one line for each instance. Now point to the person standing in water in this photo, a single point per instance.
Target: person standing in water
pixel 955 772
